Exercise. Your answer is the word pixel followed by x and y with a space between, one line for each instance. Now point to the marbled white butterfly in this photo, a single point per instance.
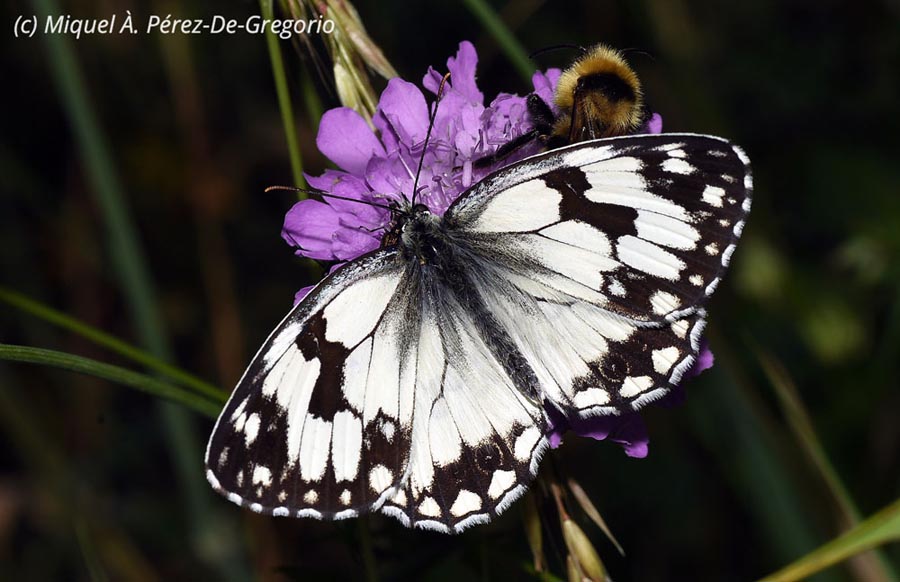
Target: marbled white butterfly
pixel 415 380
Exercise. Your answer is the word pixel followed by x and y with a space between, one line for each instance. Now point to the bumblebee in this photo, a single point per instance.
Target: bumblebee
pixel 598 96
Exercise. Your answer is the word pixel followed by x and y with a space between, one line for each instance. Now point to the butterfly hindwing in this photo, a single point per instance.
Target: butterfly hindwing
pixel 478 431
pixel 381 385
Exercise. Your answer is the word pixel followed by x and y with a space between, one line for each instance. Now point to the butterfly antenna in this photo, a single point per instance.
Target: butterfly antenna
pixel 428 136
pixel 329 195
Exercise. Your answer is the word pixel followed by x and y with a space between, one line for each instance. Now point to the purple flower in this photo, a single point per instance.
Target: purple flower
pixel 379 165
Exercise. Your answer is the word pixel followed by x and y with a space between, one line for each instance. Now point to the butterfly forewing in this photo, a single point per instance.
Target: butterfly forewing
pixel 603 256
pixel 315 427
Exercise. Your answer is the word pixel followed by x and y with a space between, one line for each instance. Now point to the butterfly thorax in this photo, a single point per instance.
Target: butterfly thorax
pixel 418 233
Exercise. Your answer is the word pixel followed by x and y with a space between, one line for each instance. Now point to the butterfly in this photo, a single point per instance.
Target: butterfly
pixel 416 380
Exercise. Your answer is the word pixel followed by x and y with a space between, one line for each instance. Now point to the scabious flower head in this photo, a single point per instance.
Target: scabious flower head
pixel 380 165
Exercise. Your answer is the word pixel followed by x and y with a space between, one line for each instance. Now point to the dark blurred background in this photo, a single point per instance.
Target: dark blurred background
pixel 100 482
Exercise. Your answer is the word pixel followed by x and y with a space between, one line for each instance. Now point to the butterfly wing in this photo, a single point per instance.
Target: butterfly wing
pixel 315 427
pixel 382 385
pixel 576 277
pixel 599 257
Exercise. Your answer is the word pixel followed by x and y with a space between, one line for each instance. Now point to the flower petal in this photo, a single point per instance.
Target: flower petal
pixel 627 430
pixel 310 225
pixel 545 84
pixel 347 140
pixel 352 241
pixel 653 125
pixel 403 106
pixel 462 72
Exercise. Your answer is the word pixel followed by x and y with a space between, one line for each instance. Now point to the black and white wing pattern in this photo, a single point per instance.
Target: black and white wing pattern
pixel 381 386
pixel 418 384
pixel 598 258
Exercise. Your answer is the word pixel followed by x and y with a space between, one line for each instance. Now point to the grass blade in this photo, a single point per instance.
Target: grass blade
pixel 798 420
pixel 591 510
pixel 112 343
pixel 284 96
pixel 881 528
pixel 82 365
pixel 513 49
pixel 130 265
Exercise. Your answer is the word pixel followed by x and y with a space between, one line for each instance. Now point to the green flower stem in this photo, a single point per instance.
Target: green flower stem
pixel 881 528
pixel 311 100
pixel 284 97
pixel 112 343
pixel 514 50
pixel 112 373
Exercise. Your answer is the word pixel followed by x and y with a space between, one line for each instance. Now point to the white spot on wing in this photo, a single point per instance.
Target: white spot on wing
pixel 380 478
pixel 346 447
pixel 251 428
pixel 311 496
pixel 314 448
pixel 524 207
pixel 648 257
pixel 664 302
pixel 399 498
pixel 712 195
pixel 591 397
pixel 466 502
pixel 526 442
pixel 353 313
pixel 501 482
pixel 632 386
pixel 262 476
pixel 429 507
pixel 676 166
pixel 666 230
pixel 616 288
pixel 664 359
pixel 388 429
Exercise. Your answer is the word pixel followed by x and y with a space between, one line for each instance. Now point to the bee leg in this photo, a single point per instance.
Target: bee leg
pixel 507 149
pixel 542 118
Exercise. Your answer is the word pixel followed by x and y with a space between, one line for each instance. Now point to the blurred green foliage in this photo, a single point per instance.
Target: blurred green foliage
pixel 193 133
